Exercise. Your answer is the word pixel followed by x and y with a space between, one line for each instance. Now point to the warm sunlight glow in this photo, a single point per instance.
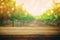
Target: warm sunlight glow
pixel 18 2
pixel 57 1
pixel 35 7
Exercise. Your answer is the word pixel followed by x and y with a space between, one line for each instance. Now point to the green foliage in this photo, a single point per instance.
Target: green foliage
pixel 49 18
pixel 21 16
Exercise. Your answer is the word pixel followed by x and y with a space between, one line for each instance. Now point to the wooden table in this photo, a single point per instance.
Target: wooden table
pixel 29 33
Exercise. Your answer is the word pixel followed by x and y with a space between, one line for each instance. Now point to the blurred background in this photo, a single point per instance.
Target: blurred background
pixel 30 19
pixel 29 13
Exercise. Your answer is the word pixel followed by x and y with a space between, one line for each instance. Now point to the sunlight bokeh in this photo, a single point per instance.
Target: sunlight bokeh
pixel 35 7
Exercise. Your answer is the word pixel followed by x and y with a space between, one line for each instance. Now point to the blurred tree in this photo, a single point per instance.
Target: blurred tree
pixel 7 7
pixel 21 15
pixel 49 17
pixel 57 13
pixel 52 17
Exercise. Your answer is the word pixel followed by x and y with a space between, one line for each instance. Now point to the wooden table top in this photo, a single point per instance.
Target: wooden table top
pixel 29 30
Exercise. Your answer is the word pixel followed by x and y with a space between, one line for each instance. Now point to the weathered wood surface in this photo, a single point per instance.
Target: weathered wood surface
pixel 29 30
